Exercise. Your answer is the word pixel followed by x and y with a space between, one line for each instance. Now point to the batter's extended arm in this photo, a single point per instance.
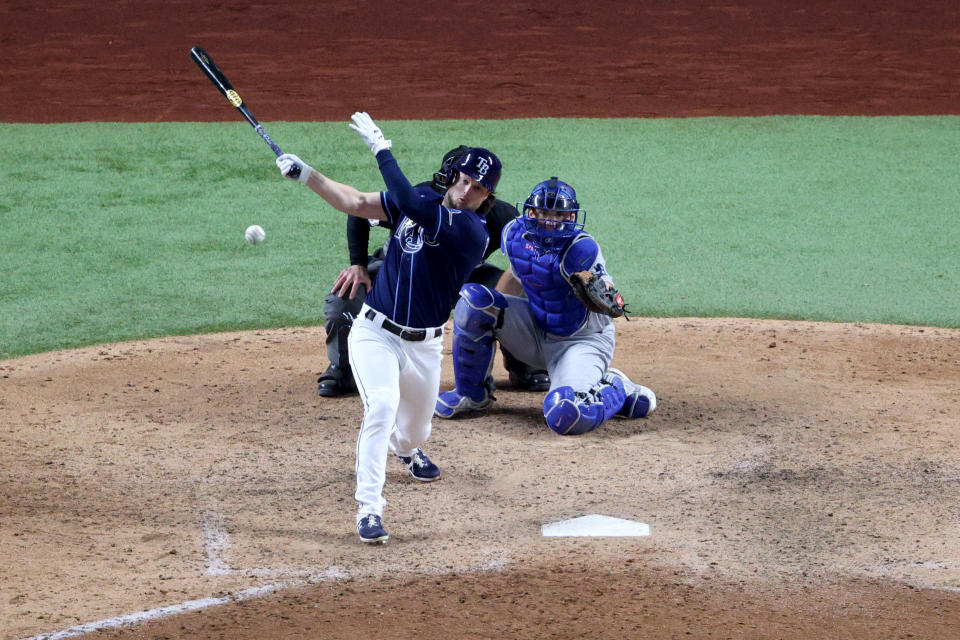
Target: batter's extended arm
pixel 341 197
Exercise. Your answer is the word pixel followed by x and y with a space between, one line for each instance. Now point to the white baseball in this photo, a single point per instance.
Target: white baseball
pixel 255 234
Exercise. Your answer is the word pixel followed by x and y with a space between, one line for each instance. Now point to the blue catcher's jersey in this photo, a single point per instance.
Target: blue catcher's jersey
pixel 431 251
pixel 544 275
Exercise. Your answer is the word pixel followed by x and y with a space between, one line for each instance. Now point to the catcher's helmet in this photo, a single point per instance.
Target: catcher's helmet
pixel 556 196
pixel 443 178
pixel 481 165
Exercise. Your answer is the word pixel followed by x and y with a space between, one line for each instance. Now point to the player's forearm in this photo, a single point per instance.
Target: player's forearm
pixel 345 198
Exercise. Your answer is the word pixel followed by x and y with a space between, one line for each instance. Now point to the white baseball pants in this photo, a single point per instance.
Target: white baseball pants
pixel 398 381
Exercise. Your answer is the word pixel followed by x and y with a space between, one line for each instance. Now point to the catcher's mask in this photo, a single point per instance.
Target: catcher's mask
pixel 443 178
pixel 551 213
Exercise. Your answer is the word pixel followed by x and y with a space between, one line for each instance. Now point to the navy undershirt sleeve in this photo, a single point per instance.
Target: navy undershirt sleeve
pixel 358 240
pixel 424 212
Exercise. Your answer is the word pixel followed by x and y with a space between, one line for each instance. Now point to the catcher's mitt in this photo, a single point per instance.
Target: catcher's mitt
pixel 596 295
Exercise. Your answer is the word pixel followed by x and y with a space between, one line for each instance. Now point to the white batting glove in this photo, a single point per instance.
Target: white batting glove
pixel 370 132
pixel 287 164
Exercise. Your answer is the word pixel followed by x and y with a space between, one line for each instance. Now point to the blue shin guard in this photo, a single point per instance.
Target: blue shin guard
pixel 570 413
pixel 478 312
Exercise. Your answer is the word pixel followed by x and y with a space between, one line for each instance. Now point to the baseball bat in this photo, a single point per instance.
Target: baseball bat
pixel 219 80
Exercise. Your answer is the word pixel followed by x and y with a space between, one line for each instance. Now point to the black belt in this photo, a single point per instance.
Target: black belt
pixel 414 335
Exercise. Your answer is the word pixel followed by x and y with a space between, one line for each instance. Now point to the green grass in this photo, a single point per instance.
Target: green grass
pixel 123 231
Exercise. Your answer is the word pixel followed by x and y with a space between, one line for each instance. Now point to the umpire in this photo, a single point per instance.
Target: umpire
pixel 349 290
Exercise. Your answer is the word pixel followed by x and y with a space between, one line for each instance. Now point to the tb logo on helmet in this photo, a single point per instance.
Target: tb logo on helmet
pixel 482 166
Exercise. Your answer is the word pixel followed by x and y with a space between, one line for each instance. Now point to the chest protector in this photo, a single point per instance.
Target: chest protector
pixel 543 276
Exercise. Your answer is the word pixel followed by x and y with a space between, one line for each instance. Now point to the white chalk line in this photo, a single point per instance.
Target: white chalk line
pixel 497 564
pixel 165 612
pixel 216 541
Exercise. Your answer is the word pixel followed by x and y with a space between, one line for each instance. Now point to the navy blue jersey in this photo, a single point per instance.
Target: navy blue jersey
pixel 431 251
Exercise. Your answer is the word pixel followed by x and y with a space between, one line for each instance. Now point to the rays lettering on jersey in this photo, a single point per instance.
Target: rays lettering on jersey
pixel 410 236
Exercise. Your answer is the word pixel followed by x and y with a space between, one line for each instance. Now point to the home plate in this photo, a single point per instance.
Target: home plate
pixel 595 526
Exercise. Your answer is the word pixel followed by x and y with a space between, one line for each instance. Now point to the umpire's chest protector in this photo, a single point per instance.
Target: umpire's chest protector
pixel 552 301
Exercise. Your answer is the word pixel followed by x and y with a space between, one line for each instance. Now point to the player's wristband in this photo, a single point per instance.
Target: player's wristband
pixel 305 171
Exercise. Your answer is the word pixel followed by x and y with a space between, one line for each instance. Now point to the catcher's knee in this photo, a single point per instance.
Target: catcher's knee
pixel 567 413
pixel 479 311
pixel 570 413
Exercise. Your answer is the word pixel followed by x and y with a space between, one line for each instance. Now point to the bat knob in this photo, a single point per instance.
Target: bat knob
pixel 294 173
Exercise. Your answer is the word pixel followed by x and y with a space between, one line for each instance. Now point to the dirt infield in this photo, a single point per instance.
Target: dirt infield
pixel 800 480
pixel 295 60
pixel 795 476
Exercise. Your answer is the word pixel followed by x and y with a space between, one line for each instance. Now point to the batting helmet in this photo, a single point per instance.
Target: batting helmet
pixel 443 178
pixel 481 165
pixel 553 195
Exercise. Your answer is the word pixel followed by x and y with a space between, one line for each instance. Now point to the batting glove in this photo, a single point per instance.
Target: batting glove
pixel 287 162
pixel 370 132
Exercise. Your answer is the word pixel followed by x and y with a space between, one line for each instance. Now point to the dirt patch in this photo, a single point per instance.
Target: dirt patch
pixel 293 60
pixel 808 459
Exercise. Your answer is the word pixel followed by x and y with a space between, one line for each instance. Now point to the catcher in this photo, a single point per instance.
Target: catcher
pixel 555 313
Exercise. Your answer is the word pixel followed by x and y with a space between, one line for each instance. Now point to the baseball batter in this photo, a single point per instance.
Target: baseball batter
pixel 397 339
pixel 549 327
pixel 346 297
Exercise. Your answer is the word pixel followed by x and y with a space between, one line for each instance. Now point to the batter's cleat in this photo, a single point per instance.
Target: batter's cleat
pixel 371 530
pixel 335 382
pixel 640 401
pixel 530 380
pixel 420 467
pixel 451 403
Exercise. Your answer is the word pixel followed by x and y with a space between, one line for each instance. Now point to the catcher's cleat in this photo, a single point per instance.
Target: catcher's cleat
pixel 371 531
pixel 640 401
pixel 530 380
pixel 420 467
pixel 451 403
pixel 522 375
